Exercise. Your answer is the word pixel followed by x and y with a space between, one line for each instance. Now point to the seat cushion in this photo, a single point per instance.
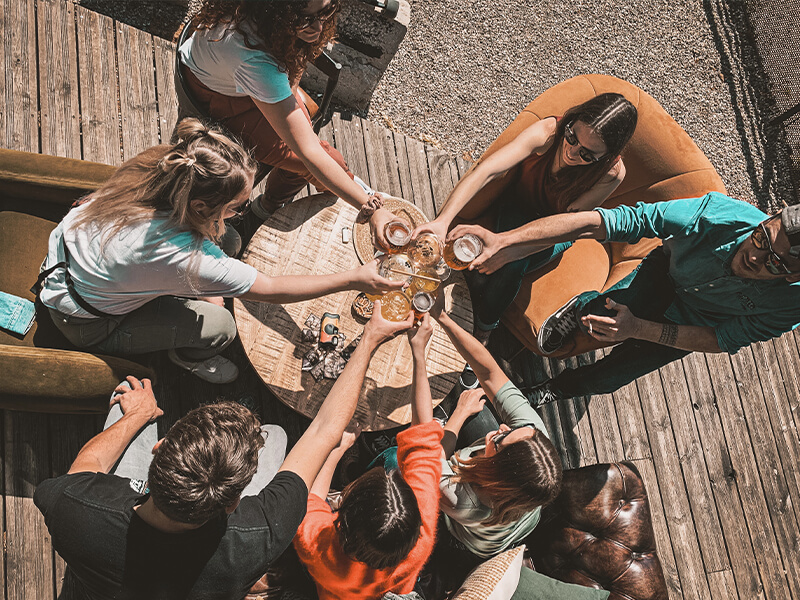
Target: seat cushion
pixel 599 532
pixel 23 247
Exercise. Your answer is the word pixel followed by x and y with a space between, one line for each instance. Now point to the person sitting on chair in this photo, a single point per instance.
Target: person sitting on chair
pixel 243 63
pixel 128 270
pixel 202 512
pixel 726 276
pixel 385 528
pixel 566 164
pixel 496 477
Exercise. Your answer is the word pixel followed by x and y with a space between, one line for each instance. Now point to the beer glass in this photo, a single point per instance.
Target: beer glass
pixel 395 306
pixel 426 251
pixel 398 234
pixel 459 253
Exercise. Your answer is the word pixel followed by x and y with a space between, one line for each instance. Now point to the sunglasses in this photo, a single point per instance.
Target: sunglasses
pixel 773 262
pixel 572 139
pixel 498 438
pixel 325 15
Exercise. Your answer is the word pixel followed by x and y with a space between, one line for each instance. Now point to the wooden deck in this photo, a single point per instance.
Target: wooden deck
pixel 715 436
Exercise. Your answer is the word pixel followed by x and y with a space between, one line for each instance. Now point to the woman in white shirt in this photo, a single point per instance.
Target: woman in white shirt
pixel 135 268
pixel 243 63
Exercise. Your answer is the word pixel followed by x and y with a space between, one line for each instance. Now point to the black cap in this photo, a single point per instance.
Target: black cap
pixel 790 217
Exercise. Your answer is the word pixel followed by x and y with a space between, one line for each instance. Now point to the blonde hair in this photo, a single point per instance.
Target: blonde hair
pixel 204 164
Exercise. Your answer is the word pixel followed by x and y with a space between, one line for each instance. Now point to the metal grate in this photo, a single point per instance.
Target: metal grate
pixel 775 28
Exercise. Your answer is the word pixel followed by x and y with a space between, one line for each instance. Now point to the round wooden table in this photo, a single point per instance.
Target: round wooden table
pixel 304 238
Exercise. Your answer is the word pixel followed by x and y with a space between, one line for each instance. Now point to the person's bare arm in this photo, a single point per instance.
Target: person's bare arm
pixel 489 373
pixel 422 405
pixel 290 123
pixel 102 452
pixel 322 483
pixel 469 403
pixel 325 432
pixel 626 325
pixel 502 248
pixel 297 288
pixel 533 140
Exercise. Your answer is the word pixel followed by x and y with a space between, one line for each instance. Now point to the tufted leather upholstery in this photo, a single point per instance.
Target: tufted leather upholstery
pixel 598 533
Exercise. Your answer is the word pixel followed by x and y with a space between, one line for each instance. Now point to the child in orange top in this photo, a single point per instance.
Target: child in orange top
pixel 385 529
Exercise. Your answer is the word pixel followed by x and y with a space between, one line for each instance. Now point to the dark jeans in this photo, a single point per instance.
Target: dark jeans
pixel 493 294
pixel 647 292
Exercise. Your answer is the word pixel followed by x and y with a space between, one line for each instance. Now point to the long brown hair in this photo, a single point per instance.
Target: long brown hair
pixel 378 522
pixel 204 164
pixel 275 25
pixel 519 478
pixel 614 119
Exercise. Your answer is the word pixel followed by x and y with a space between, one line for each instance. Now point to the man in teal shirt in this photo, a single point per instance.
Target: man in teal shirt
pixel 725 276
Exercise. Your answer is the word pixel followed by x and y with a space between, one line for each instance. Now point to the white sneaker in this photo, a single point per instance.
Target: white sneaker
pixel 216 369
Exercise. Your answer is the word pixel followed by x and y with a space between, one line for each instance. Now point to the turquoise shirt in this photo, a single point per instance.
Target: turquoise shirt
pixel 701 236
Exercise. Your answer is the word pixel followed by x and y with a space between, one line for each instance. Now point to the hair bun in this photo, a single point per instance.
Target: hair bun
pixel 190 129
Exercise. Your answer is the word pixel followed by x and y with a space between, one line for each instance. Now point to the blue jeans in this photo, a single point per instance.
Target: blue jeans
pixel 647 292
pixel 493 294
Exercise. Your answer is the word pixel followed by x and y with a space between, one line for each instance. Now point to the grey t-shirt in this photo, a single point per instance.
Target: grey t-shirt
pixel 464 512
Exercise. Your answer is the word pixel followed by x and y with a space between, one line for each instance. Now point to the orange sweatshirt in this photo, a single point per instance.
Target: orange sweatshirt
pixel 419 455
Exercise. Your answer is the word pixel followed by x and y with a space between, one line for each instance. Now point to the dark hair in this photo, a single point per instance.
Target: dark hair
pixel 379 520
pixel 516 480
pixel 203 164
pixel 204 462
pixel 614 119
pixel 275 25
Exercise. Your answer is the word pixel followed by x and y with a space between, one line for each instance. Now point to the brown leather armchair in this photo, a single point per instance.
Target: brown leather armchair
pixel 599 533
pixel 662 163
pixel 41 371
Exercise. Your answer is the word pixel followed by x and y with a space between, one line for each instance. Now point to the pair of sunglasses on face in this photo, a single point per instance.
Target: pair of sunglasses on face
pixel 325 15
pixel 498 438
pixel 774 263
pixel 572 139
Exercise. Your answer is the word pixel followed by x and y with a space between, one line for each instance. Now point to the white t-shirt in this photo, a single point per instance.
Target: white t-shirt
pixel 221 61
pixel 136 265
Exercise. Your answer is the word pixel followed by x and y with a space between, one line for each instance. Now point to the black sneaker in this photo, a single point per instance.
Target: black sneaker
pixel 558 327
pixel 468 379
pixel 541 394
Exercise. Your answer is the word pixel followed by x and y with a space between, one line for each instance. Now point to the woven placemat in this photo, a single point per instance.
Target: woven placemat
pixel 402 208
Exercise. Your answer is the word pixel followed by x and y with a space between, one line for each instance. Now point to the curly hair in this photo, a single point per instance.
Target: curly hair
pixel 272 28
pixel 205 462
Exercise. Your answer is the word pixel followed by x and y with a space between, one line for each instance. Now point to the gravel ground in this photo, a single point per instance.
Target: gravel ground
pixel 467 67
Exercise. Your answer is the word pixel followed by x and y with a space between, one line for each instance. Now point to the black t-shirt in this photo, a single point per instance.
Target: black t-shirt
pixel 112 553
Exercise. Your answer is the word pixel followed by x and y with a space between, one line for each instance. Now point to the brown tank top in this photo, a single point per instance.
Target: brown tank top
pixel 531 185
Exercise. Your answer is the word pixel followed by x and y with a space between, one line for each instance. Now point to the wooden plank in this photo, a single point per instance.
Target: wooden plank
pixel 678 511
pixel 605 429
pixel 349 136
pixel 683 402
pixel 723 585
pixel 722 478
pixel 381 159
pixel 421 191
pixel 776 490
pixel 58 74
pixel 577 432
pixel 18 116
pixel 98 87
pixel 403 168
pixel 164 52
pixel 137 90
pixel 779 381
pixel 29 559
pixel 663 540
pixel 741 469
pixel 442 181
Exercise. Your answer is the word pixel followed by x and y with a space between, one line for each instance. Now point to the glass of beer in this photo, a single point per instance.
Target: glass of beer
pixel 422 302
pixel 423 280
pixel 442 270
pixel 398 234
pixel 395 306
pixel 459 253
pixel 396 267
pixel 426 251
